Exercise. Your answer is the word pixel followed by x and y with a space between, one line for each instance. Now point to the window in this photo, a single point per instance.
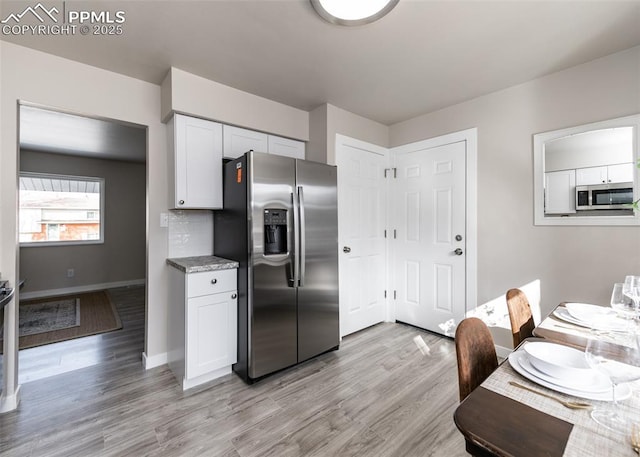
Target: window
pixel 59 210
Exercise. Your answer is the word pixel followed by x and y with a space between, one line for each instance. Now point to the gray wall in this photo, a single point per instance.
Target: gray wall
pixel 121 257
pixel 327 120
pixel 572 263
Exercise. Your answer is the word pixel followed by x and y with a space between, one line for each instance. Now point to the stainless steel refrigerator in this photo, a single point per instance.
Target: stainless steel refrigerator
pixel 280 222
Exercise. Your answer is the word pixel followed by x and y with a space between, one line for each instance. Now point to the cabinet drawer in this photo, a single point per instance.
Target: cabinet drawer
pixel 211 282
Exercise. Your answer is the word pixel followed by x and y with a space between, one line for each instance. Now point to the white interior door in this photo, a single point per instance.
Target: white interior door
pixel 361 230
pixel 430 236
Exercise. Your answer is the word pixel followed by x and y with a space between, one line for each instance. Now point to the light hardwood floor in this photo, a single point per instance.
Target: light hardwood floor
pixel 375 396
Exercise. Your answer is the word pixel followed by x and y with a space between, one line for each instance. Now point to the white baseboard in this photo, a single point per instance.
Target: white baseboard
pixel 154 360
pixel 10 402
pixel 80 289
pixel 503 352
pixel 190 383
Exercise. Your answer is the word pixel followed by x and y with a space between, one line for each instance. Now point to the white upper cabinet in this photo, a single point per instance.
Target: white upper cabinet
pixel 286 147
pixel 560 192
pixel 591 175
pixel 237 141
pixel 197 163
pixel 604 175
pixel 621 173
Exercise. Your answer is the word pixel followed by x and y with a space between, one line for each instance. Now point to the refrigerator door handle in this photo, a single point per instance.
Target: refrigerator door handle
pixel 295 257
pixel 302 230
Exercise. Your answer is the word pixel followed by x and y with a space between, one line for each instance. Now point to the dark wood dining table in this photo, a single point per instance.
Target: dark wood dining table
pixel 502 420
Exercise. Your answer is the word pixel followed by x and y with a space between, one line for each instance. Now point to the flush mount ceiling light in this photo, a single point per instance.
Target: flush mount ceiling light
pixel 352 12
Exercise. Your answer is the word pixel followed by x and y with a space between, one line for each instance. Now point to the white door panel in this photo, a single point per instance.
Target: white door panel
pixel 429 276
pixel 431 201
pixel 361 222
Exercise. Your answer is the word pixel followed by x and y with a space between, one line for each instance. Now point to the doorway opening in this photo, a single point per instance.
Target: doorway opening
pixel 83 237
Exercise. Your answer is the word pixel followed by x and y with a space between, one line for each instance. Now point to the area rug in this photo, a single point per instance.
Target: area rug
pixel 50 320
pixel 49 316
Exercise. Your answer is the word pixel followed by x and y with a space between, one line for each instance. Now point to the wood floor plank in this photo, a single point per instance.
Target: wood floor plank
pixel 376 395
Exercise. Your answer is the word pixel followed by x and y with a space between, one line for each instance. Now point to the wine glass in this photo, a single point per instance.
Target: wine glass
pixel 620 363
pixel 631 289
pixel 622 304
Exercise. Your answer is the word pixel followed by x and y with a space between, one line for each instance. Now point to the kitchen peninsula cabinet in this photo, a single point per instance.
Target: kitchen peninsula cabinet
pixel 202 320
pixel 195 151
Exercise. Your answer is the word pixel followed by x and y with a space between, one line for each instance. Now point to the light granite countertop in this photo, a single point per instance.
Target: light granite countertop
pixel 201 263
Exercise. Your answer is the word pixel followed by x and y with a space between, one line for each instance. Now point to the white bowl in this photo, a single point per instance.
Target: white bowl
pixel 559 361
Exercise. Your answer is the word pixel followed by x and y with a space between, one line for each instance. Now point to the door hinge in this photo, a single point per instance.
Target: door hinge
pixel 385 294
pixel 385 233
pixel 395 172
pixel 394 234
pixel 395 295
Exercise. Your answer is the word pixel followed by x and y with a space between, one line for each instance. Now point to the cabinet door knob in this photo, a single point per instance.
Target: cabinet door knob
pixel 214 281
pixel 234 296
pixel 181 202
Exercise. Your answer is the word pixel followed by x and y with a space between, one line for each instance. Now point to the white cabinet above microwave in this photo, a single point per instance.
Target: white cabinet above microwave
pixel 605 174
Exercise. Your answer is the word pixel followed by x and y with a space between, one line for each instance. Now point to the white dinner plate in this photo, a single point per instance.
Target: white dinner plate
pixel 596 382
pixel 595 315
pixel 563 365
pixel 623 391
pixel 612 325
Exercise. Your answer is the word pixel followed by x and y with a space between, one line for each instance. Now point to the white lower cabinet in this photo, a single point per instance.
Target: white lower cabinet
pixel 202 326
pixel 210 342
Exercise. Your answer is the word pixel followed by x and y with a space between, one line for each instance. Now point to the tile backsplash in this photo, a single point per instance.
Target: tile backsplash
pixel 190 233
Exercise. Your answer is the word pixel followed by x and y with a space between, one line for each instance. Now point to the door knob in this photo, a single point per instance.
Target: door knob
pixel 458 251
pixel 346 249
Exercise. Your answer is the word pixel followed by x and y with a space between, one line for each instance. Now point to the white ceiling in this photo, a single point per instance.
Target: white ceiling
pixel 64 133
pixel 423 56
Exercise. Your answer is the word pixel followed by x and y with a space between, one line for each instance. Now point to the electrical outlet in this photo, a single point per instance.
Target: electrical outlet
pixel 71 273
pixel 164 220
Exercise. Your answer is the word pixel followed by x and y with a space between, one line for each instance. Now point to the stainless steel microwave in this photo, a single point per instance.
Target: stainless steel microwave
pixel 604 196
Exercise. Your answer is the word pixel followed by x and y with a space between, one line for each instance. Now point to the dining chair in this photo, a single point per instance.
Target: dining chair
pixel 476 354
pixel 522 324
pixel 477 359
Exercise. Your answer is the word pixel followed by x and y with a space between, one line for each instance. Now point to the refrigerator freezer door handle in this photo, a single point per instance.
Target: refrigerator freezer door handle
pixel 295 257
pixel 302 229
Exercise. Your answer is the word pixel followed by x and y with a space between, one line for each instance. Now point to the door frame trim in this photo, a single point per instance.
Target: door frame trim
pixel 470 136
